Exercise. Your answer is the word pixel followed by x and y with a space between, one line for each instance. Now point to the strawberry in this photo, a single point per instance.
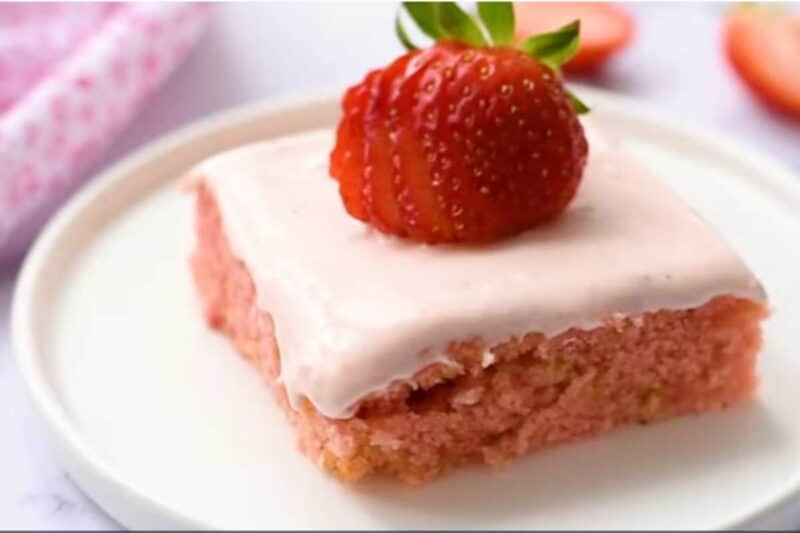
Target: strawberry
pixel 763 45
pixel 605 28
pixel 462 141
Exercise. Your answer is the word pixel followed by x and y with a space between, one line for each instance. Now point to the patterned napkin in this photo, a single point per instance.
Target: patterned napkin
pixel 71 77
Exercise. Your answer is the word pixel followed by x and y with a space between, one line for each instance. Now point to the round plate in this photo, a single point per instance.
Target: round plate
pixel 165 426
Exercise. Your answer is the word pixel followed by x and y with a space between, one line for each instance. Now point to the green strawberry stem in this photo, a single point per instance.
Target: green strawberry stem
pixel 494 26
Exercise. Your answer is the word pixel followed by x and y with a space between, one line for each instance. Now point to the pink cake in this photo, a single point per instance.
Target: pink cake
pixel 396 358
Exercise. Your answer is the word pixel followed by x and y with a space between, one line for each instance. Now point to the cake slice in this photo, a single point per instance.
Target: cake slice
pixel 404 359
pixel 459 274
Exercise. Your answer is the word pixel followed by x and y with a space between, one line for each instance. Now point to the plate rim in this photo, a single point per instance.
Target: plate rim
pixel 76 454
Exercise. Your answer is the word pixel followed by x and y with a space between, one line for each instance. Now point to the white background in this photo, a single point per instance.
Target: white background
pixel 257 51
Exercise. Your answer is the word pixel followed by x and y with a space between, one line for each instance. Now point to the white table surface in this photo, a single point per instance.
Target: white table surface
pixel 256 51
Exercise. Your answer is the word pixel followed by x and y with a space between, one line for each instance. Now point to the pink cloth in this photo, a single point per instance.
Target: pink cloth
pixel 71 77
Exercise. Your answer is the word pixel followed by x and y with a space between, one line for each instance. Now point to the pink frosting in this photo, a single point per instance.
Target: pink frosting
pixel 355 309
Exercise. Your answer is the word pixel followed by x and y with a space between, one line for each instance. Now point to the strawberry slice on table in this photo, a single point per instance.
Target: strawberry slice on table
pixel 605 28
pixel 763 45
pixel 467 141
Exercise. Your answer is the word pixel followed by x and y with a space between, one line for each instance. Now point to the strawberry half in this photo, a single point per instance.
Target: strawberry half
pixel 468 140
pixel 763 45
pixel 605 28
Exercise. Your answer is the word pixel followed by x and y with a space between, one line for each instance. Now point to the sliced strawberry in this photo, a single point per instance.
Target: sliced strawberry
pixel 348 157
pixel 763 45
pixel 605 28
pixel 379 172
pixel 463 142
pixel 415 190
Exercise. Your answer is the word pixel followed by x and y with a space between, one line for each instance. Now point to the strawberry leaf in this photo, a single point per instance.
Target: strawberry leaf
pixel 554 48
pixel 400 31
pixel 446 20
pixel 456 24
pixel 424 15
pixel 498 19
pixel 579 107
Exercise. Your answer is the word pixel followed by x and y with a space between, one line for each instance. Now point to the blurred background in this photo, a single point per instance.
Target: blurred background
pixel 717 66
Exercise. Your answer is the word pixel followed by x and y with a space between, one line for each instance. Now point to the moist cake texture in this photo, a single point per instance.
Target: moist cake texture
pixel 404 359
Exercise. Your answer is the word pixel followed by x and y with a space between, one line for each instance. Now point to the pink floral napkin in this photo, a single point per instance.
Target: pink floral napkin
pixel 71 77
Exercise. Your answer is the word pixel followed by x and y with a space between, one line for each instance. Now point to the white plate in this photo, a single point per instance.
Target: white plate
pixel 165 426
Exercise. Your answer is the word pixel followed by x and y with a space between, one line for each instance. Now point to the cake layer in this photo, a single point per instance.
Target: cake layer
pixel 355 310
pixel 540 390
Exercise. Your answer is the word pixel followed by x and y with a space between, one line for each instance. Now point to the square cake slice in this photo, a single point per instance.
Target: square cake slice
pixel 404 359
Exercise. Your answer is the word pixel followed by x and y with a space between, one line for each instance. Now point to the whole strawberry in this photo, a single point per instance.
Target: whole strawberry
pixel 463 141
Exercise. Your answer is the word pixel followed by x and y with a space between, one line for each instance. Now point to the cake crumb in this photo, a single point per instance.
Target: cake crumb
pixel 468 397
